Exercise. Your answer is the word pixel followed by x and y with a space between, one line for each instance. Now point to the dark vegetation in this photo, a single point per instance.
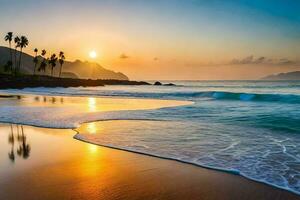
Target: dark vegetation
pixel 13 65
pixel 19 82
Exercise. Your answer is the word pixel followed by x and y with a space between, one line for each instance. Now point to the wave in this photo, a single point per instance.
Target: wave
pixel 173 94
pixel 225 95
pixel 285 98
pixel 59 118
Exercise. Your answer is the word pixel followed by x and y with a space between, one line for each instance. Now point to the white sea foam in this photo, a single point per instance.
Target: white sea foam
pixel 265 158
pixel 58 117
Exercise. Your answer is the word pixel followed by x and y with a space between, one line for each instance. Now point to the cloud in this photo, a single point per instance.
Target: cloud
pixel 124 56
pixel 251 60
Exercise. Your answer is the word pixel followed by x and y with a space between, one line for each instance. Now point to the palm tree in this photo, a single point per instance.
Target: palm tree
pixel 9 37
pixel 43 64
pixel 17 44
pixel 61 61
pixel 52 62
pixel 35 60
pixel 23 43
pixel 35 51
pixel 48 61
pixel 43 52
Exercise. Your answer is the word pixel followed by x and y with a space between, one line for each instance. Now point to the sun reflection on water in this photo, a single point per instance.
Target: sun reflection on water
pixel 93 148
pixel 92 104
pixel 91 128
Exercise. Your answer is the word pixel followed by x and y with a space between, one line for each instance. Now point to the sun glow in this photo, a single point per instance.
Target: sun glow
pixel 92 104
pixel 92 129
pixel 93 54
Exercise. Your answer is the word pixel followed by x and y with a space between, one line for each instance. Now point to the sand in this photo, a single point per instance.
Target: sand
pixel 60 167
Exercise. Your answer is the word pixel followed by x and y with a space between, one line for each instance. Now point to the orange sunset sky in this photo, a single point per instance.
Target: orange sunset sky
pixel 151 40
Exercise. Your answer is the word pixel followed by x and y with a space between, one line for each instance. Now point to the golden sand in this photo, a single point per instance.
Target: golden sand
pixel 60 167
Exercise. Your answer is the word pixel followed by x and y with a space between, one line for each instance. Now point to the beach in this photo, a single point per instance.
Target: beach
pixel 147 142
pixel 60 167
pixel 150 100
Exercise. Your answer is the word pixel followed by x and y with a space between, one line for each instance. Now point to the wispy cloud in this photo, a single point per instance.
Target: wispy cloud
pixel 251 60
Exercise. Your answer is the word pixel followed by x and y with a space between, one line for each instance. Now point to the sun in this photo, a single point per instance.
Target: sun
pixel 93 54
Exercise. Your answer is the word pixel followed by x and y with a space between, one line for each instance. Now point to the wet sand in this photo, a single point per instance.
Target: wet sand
pixel 78 104
pixel 50 164
pixel 70 111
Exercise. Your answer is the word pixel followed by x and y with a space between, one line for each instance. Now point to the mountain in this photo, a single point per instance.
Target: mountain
pixel 284 76
pixel 84 70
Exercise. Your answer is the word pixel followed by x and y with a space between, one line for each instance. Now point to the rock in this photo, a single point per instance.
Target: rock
pixel 157 83
pixel 169 84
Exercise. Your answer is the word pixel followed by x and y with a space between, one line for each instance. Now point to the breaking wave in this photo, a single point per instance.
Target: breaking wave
pixel 173 94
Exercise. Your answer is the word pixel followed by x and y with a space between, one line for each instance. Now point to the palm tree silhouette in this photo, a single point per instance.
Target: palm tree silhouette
pixel 52 62
pixel 61 61
pixel 43 52
pixel 23 43
pixel 35 60
pixel 9 37
pixel 43 64
pixel 48 62
pixel 17 44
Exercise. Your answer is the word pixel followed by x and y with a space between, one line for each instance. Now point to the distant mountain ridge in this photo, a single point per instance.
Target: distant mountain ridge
pixel 284 76
pixel 84 70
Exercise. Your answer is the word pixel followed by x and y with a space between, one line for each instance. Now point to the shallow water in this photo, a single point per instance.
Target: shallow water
pixel 69 112
pixel 251 128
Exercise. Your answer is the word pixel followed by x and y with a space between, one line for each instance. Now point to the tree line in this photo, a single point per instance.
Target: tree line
pixel 41 61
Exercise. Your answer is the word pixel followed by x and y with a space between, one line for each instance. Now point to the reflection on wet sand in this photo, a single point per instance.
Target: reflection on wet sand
pixel 89 104
pixel 52 100
pixel 11 140
pixel 63 168
pixel 24 148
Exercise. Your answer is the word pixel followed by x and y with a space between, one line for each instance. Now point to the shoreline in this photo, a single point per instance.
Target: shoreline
pixel 232 172
pixel 33 81
pixel 147 177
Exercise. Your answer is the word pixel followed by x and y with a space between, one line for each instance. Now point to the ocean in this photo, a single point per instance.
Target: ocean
pixel 250 128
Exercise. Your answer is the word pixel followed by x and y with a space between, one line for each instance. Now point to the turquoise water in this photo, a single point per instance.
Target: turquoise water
pixel 251 128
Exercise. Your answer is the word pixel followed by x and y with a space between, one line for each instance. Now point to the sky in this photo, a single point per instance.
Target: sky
pixel 164 39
